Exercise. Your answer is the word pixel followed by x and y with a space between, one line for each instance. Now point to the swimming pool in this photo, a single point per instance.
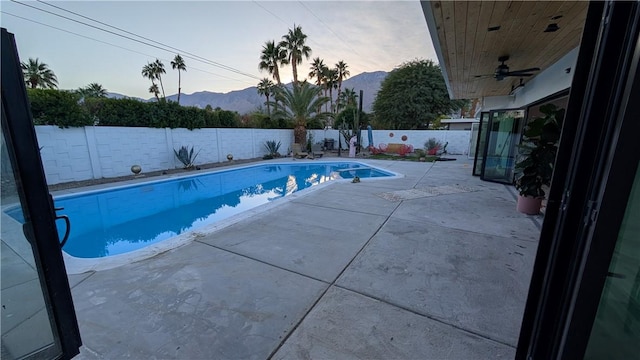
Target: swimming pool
pixel 124 219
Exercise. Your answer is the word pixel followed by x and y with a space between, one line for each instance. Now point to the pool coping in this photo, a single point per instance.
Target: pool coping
pixel 75 265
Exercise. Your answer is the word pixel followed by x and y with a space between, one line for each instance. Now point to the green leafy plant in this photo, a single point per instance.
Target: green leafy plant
pixel 537 152
pixel 186 156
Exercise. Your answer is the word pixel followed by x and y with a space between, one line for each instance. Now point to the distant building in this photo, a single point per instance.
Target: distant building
pixel 458 124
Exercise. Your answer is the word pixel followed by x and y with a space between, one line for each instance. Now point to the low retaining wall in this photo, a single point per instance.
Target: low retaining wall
pixel 85 153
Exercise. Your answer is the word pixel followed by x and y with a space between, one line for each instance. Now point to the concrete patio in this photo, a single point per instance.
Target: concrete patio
pixel 435 265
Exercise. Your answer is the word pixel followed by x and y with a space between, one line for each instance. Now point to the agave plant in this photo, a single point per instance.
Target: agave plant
pixel 186 156
pixel 272 147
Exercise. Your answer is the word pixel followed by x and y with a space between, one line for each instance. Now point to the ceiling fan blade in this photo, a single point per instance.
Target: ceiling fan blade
pixel 485 76
pixel 517 74
pixel 524 70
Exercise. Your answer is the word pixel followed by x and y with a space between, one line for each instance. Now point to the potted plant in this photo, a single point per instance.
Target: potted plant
pixel 536 156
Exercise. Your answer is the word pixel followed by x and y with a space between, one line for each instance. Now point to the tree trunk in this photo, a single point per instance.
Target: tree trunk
pixel 268 107
pixel 162 87
pixel 179 88
pixel 294 66
pixel 300 135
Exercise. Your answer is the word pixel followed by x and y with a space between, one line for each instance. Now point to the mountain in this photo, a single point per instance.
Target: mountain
pixel 247 100
pixel 113 95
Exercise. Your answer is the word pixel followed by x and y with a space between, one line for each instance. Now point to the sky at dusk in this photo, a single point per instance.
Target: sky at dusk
pixel 367 35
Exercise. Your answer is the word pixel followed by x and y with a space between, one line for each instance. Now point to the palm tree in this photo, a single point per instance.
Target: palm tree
pixel 347 98
pixel 273 55
pixel 153 71
pixel 299 104
pixel 294 43
pixel 158 67
pixel 178 63
pixel 148 72
pixel 37 74
pixel 317 69
pixel 343 73
pixel 154 90
pixel 265 88
pixel 329 79
pixel 93 90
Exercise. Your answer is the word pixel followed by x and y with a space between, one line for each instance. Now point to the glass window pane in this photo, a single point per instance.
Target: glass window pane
pixel 482 131
pixel 26 326
pixel 500 151
pixel 616 330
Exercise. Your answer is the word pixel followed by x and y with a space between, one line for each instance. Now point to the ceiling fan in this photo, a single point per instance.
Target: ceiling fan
pixel 502 70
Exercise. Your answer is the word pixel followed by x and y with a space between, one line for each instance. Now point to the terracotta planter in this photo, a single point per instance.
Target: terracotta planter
pixel 529 205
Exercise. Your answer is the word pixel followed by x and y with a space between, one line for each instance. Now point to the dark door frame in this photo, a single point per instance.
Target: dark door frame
pixel 39 227
pixel 596 164
pixel 478 152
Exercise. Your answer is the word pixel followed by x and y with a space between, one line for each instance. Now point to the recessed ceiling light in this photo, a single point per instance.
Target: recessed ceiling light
pixel 494 28
pixel 552 28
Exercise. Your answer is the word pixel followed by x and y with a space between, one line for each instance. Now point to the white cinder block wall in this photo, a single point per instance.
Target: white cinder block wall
pixel 458 139
pixel 76 154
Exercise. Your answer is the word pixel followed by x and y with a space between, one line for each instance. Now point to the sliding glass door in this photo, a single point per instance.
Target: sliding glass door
pixel 478 161
pixel 502 135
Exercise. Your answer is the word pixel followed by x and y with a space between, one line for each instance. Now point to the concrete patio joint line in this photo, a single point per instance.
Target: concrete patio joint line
pixel 83 280
pixel 425 315
pixel 331 284
pixel 260 261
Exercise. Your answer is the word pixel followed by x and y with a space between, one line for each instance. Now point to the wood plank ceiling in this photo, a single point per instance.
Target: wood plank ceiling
pixel 469 48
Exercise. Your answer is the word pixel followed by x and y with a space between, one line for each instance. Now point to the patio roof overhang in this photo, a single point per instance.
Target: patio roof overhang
pixel 470 36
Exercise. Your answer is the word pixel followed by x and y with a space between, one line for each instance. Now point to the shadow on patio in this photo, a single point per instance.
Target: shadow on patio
pixel 366 270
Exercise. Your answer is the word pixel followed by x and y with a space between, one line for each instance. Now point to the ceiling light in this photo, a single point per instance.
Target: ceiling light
pixel 552 28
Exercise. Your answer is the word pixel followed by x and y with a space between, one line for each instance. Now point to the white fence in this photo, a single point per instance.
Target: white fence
pixel 76 154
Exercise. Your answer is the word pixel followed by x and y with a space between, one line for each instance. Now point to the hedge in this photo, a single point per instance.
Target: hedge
pixel 65 108
pixel 55 107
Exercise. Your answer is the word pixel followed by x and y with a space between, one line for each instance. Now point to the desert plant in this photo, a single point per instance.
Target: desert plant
pixel 186 156
pixel 272 148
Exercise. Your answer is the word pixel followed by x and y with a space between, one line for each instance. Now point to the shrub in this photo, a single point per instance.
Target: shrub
pixel 272 148
pixel 57 107
pixel 63 108
pixel 432 146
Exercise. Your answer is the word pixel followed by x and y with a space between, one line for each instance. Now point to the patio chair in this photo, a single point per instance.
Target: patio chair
pixel 316 150
pixel 297 151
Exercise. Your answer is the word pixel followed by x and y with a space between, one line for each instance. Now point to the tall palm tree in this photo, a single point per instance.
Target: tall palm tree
pixel 154 90
pixel 158 69
pixel 153 71
pixel 343 73
pixel 330 82
pixel 93 90
pixel 148 72
pixel 316 70
pixel 299 105
pixel 178 63
pixel 294 43
pixel 265 88
pixel 37 74
pixel 347 98
pixel 273 55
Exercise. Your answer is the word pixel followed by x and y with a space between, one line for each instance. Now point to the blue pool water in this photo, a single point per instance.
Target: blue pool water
pixel 121 220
